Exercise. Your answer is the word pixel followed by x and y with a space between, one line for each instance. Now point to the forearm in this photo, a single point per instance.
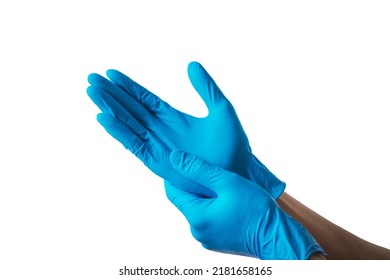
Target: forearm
pixel 337 242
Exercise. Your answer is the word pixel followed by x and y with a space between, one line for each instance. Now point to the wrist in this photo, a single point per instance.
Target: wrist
pixel 283 238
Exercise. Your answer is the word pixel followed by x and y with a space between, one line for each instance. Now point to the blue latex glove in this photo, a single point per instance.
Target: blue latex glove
pixel 243 219
pixel 144 120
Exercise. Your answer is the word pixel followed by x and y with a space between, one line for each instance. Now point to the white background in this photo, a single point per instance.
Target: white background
pixel 309 81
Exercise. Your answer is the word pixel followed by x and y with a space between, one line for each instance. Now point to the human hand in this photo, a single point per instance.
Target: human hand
pixel 243 219
pixel 144 119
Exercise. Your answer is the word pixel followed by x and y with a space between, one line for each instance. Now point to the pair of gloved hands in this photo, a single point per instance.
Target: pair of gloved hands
pixel 210 174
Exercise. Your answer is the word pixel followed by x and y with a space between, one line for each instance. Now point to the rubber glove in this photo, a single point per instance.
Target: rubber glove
pixel 218 138
pixel 243 219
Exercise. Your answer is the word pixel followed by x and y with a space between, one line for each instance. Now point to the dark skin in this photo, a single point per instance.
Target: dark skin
pixel 337 242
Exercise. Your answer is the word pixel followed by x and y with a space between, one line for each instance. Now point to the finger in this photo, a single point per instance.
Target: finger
pixel 150 101
pixel 111 106
pixel 199 171
pixel 95 97
pixel 204 85
pixel 128 102
pixel 186 202
pixel 148 151
pixel 123 134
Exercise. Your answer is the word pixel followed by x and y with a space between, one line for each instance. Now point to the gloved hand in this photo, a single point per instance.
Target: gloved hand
pixel 243 219
pixel 144 119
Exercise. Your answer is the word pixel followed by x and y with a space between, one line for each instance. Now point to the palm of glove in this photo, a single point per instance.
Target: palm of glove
pixel 218 138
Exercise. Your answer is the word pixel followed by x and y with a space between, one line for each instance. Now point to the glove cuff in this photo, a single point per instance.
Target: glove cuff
pixel 280 237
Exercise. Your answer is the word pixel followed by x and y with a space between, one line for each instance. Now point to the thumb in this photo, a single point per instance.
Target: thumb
pixel 198 170
pixel 204 84
pixel 186 202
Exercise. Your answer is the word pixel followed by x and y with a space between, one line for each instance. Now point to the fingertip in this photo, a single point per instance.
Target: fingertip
pixel 116 76
pixel 92 78
pixel 111 73
pixel 104 119
pixel 89 78
pixel 193 65
pixel 100 117
pixel 93 94
pixel 91 91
